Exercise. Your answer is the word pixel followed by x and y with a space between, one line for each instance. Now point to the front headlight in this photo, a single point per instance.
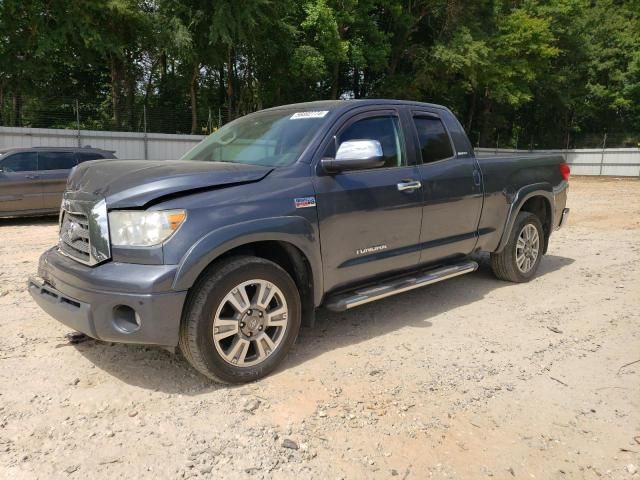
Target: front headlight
pixel 133 228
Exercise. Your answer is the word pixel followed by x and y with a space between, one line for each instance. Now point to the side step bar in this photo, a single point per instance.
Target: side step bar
pixel 345 301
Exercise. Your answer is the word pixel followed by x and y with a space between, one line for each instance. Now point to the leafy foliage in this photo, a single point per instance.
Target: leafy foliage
pixel 524 73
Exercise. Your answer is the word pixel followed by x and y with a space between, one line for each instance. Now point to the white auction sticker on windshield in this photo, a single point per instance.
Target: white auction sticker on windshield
pixel 314 114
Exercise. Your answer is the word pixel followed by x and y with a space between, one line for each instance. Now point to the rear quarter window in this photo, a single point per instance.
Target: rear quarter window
pixel 434 141
pixel 56 160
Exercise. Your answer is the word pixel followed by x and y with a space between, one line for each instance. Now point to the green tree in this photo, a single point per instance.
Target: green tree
pixel 544 73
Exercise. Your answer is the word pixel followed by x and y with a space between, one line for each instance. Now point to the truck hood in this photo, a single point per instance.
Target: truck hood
pixel 136 183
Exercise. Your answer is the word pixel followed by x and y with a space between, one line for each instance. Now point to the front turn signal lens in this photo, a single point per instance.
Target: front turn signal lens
pixel 176 218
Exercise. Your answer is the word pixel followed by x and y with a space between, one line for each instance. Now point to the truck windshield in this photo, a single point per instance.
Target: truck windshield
pixel 273 139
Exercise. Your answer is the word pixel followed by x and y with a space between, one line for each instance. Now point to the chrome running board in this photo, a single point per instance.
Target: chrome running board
pixel 345 301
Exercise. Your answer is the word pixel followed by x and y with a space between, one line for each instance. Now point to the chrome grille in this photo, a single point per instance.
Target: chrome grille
pixel 84 229
pixel 74 236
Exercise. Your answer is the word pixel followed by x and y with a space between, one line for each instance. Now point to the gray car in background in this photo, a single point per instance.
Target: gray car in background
pixel 32 180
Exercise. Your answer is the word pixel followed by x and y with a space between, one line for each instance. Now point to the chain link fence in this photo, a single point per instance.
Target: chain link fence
pixel 156 132
pixel 565 142
pixel 141 117
pixel 175 117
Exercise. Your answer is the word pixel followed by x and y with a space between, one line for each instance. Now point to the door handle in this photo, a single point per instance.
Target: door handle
pixel 32 177
pixel 409 185
pixel 476 178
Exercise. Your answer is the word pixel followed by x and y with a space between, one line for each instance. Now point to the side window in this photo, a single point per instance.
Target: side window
pixel 20 162
pixel 86 156
pixel 384 129
pixel 56 160
pixel 434 141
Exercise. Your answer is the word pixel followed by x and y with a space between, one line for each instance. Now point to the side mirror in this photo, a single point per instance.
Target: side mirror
pixel 355 155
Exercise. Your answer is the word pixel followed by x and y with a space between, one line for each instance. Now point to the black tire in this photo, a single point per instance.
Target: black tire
pixel 197 342
pixel 504 264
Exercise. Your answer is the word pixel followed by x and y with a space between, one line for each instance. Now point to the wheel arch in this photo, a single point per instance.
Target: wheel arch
pixel 291 242
pixel 537 199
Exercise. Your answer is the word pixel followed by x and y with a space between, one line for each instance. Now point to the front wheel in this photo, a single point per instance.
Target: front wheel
pixel 519 260
pixel 241 319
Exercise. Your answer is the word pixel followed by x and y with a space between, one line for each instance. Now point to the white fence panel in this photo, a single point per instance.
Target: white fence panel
pixel 163 146
pixel 160 146
pixel 124 144
pixel 157 146
pixel 34 137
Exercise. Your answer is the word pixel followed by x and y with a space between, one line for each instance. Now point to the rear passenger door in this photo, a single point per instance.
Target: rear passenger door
pixel 19 184
pixel 452 191
pixel 54 168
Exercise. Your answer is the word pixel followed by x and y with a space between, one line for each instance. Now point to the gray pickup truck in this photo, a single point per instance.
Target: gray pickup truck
pixel 227 251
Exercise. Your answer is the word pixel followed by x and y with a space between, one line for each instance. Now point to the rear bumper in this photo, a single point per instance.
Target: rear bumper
pixel 564 217
pixel 83 299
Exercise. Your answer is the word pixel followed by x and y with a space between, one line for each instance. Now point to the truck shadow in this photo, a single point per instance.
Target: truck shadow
pixel 156 369
pixel 414 309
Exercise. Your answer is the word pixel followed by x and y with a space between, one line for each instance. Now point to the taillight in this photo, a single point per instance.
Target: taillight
pixel 565 171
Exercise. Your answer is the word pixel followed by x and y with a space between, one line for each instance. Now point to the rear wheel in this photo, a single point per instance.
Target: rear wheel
pixel 241 320
pixel 519 260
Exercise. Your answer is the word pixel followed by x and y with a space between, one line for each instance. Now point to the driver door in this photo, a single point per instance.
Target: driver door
pixel 369 222
pixel 20 187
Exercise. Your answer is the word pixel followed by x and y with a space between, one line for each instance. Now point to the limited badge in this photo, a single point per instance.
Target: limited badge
pixel 305 202
pixel 374 249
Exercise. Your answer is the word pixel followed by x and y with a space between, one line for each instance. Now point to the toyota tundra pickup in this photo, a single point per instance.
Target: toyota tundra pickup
pixel 227 251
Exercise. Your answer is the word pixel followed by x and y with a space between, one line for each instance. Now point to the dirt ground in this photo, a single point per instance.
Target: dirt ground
pixel 471 378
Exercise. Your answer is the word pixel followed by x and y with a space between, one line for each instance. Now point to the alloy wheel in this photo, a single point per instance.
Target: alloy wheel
pixel 527 248
pixel 250 323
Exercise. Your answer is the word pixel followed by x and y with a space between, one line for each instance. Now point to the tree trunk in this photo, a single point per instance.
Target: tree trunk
pixel 164 123
pixel 366 80
pixel 335 80
pixel 17 108
pixel 356 83
pixel 278 93
pixel 568 124
pixel 130 97
pixel 237 95
pixel 163 63
pixel 486 121
pixel 396 53
pixel 222 90
pixel 116 103
pixel 194 99
pixel 472 111
pixel 230 92
pixel 1 104
pixel 400 39
pixel 173 99
pixel 147 90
